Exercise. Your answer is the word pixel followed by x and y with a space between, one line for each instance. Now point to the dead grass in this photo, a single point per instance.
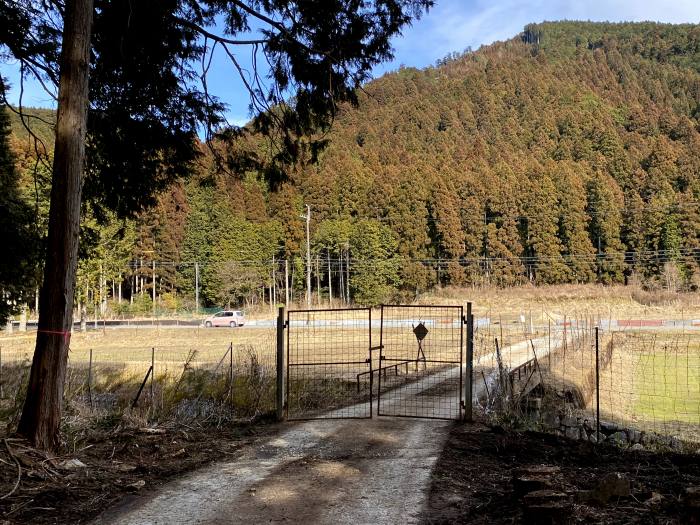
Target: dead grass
pixel 544 303
pixel 195 377
pixel 132 346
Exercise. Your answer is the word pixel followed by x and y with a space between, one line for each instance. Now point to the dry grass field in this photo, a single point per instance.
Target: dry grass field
pixel 573 301
pixel 651 381
pixel 189 364
pixel 133 345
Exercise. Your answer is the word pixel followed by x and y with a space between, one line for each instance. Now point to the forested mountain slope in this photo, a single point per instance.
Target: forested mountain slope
pixel 567 154
pixel 551 154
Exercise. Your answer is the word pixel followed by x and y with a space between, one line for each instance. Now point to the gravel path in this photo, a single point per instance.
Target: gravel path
pixel 331 471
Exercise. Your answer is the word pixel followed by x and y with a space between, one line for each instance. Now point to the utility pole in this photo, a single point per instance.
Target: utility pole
pixel 101 288
pixel 308 255
pixel 196 287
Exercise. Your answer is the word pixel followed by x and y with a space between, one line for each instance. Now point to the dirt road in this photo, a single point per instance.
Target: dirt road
pixel 341 471
pixel 330 471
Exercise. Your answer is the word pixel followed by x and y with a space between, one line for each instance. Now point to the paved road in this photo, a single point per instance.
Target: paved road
pixel 605 324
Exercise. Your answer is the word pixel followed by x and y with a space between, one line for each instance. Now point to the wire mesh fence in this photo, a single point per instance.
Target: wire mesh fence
pixel 183 373
pixel 651 382
pixel 420 371
pixel 628 386
pixel 643 383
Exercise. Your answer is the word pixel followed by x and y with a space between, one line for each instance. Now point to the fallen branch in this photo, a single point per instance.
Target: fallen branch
pixel 19 471
pixel 21 505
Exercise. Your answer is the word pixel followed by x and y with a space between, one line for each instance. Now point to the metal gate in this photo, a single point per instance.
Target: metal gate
pixel 329 364
pixel 420 372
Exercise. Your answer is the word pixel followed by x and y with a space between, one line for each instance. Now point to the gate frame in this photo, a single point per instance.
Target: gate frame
pixel 462 383
pixel 282 386
pixel 367 361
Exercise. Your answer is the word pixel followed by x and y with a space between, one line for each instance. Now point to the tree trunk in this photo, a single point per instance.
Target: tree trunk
pixel 41 415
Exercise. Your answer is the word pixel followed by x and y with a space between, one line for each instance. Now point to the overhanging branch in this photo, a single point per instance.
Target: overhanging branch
pixel 217 38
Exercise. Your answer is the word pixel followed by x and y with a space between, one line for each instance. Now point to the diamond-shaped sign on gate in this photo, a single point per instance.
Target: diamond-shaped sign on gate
pixel 421 331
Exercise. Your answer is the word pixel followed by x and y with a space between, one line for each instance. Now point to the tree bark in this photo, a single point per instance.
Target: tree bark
pixel 41 415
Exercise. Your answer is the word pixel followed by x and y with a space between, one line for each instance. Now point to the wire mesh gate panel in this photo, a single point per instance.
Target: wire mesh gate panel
pixel 420 366
pixel 329 366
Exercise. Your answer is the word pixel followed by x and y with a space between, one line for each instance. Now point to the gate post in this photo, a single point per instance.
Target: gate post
pixel 280 364
pixel 468 402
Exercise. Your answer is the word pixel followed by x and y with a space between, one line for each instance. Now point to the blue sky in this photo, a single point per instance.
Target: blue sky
pixel 452 25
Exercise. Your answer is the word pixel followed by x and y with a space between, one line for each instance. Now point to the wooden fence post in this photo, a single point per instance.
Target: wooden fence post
pixel 597 386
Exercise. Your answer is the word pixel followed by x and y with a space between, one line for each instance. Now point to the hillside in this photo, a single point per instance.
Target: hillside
pixel 541 159
pixel 40 121
pixel 566 154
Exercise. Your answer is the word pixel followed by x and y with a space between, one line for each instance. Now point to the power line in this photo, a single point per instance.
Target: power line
pixel 624 256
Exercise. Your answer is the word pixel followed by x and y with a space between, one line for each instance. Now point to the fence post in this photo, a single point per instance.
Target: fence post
pixel 1 397
pixel 230 374
pixel 280 364
pixel 153 373
pixel 468 401
pixel 597 387
pixel 90 381
pixel 549 343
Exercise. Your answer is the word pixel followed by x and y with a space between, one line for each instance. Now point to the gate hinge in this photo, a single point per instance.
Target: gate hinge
pixel 465 320
pixel 286 325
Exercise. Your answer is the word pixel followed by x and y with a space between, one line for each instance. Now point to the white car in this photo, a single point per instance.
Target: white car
pixel 232 318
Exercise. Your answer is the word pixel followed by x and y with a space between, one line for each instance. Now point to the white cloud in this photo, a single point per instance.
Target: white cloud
pixel 237 121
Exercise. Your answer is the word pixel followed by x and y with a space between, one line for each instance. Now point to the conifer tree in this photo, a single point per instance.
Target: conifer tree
pixel 577 250
pixel 19 263
pixel 604 205
pixel 542 243
pixel 375 273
